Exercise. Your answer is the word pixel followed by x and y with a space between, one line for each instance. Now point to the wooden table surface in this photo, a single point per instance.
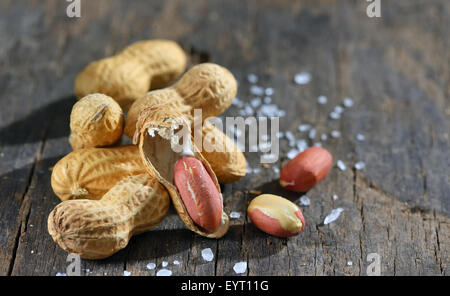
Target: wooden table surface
pixel 396 69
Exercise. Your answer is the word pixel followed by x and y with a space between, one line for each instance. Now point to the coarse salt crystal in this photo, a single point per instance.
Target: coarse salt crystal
pixel 252 78
pixel 267 158
pixel 269 91
pixel 164 263
pixel 207 254
pixel 257 90
pixel 292 153
pixel 338 109
pixel 341 165
pixel 335 134
pixel 151 266
pixel 270 110
pixel 312 133
pixel 237 102
pixel 164 272
pixel 235 215
pixel 176 262
pixel 255 102
pixel 304 201
pixel 360 137
pixel 322 100
pixel 317 144
pixel 333 216
pixel 276 170
pixel 249 110
pixel 279 135
pixel 304 127
pixel 126 273
pixel 335 197
pixel 289 135
pixel 348 102
pixel 267 100
pixel 302 145
pixel 349 263
pixel 359 165
pixel 334 115
pixel 61 274
pixel 240 267
pixel 324 137
pixel 302 78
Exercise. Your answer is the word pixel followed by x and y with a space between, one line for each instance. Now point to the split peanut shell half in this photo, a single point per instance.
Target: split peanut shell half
pixel 158 134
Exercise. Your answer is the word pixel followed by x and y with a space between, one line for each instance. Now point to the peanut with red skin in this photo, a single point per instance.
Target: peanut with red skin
pixel 198 192
pixel 306 170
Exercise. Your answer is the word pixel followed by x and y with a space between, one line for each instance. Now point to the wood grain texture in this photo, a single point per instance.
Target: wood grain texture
pixel 396 68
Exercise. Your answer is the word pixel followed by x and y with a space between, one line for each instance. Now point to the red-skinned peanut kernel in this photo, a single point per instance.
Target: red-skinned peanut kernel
pixel 198 192
pixel 306 170
pixel 276 215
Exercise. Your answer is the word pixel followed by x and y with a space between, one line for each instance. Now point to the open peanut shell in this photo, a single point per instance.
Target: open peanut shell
pixel 157 132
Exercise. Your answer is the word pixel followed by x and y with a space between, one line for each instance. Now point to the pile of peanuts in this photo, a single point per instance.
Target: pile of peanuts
pixel 111 192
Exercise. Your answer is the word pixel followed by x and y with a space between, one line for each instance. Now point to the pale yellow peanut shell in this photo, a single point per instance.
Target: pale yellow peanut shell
pixel 207 86
pixel 91 172
pixel 131 73
pixel 225 158
pixel 96 229
pixel 96 121
pixel 160 159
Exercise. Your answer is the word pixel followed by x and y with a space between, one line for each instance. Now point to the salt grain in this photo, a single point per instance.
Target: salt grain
pixel 207 254
pixel 334 115
pixel 276 170
pixel 240 267
pixel 235 215
pixel 359 165
pixel 348 102
pixel 257 90
pixel 335 197
pixel 338 109
pixel 164 263
pixel 126 273
pixel 333 216
pixel 151 266
pixel 269 91
pixel 324 137
pixel 252 78
pixel 279 135
pixel 341 165
pixel 61 274
pixel 290 136
pixel 322 100
pixel 304 127
pixel 302 78
pixel 270 110
pixel 238 103
pixel 304 201
pixel 256 170
pixel 312 133
pixel 267 100
pixel 255 102
pixel 268 158
pixel 349 263
pixel 302 145
pixel 335 134
pixel 176 262
pixel 317 144
pixel 164 272
pixel 292 153
pixel 360 137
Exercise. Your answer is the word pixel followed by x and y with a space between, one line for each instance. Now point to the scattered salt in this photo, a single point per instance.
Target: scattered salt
pixel 333 216
pixel 304 201
pixel 322 100
pixel 302 145
pixel 151 266
pixel 304 127
pixel 341 165
pixel 238 103
pixel 338 109
pixel 335 197
pixel 126 273
pixel 269 91
pixel 302 78
pixel 360 137
pixel 252 78
pixel 257 90
pixel 279 135
pixel 317 144
pixel 270 110
pixel 359 165
pixel 164 263
pixel 289 135
pixel 240 267
pixel 267 158
pixel 312 133
pixel 334 115
pixel 235 215
pixel 349 263
pixel 324 137
pixel 249 110
pixel 292 153
pixel 335 134
pixel 207 254
pixel 255 102
pixel 276 170
pixel 176 262
pixel 267 100
pixel 61 274
pixel 348 102
pixel 164 272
